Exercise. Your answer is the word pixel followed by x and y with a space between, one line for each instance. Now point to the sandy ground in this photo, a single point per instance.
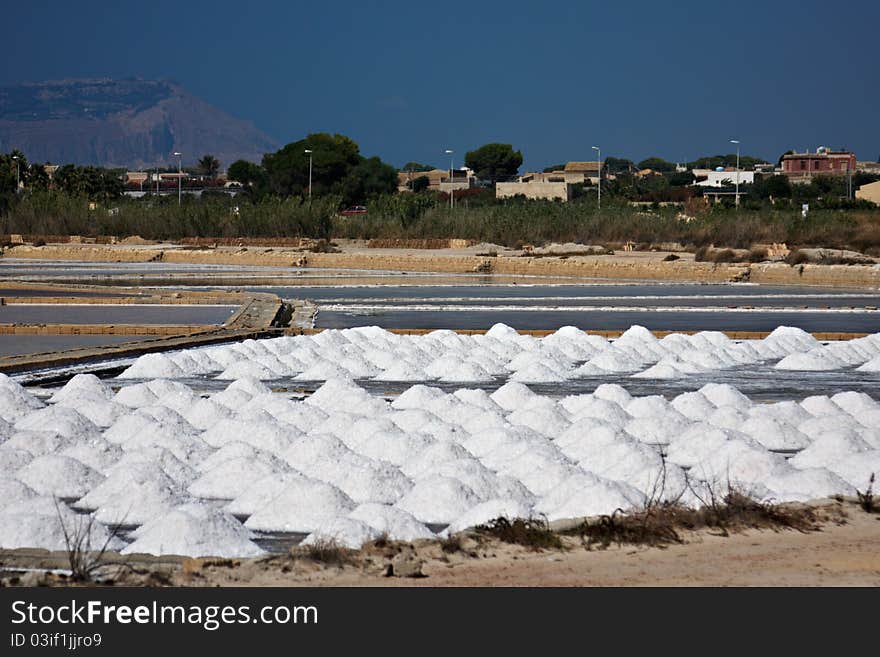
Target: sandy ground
pixel 837 555
pixel 650 265
pixel 845 551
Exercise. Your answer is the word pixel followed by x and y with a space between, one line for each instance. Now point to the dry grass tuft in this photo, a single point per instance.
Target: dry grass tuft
pixel 325 551
pixel 531 533
pixel 659 525
pixel 866 499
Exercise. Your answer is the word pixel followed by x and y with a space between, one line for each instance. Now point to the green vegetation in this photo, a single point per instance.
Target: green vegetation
pixel 337 168
pixel 648 210
pixel 729 160
pixel 615 165
pixel 426 215
pixel 420 184
pixel 417 167
pixel 209 166
pixel 494 162
pixel 159 217
pixel 657 164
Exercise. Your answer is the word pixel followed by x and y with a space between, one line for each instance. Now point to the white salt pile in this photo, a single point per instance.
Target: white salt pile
pixel 44 522
pixel 195 530
pixel 198 474
pixel 372 353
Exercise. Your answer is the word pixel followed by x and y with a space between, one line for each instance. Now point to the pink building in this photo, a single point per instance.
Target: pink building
pixel 823 162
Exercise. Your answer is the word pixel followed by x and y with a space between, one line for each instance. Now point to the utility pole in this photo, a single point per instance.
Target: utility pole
pixel 736 141
pixel 17 173
pixel 451 188
pixel 599 169
pixel 310 174
pixel 179 177
pixel 848 182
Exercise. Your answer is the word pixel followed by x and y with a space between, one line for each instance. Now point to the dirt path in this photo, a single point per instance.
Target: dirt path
pixel 844 552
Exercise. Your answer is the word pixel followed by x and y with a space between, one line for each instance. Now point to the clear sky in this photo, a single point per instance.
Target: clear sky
pixel 408 80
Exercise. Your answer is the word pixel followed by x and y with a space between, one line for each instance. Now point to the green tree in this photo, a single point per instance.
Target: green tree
pixel 370 177
pixel 420 184
pixel 69 178
pixel 97 183
pixel 209 166
pixel 246 173
pixel 14 167
pixel 775 186
pixel 333 157
pixel 617 165
pixel 657 164
pixel 416 166
pixel 729 160
pixel 680 178
pixel 494 162
pixel 37 178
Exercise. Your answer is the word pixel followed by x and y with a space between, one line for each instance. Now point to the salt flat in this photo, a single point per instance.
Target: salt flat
pixel 210 471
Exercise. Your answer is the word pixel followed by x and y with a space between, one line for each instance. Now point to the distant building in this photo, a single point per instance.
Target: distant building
pixel 868 167
pixel 438 179
pixel 170 176
pixel 434 176
pixel 572 173
pixel 581 172
pixel 803 167
pixel 869 192
pixel 136 177
pixel 463 178
pixel 725 178
pixel 550 191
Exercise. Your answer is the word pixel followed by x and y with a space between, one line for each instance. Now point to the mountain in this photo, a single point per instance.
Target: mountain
pixel 121 123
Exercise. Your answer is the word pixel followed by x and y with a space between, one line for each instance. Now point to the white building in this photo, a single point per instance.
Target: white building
pixel 724 178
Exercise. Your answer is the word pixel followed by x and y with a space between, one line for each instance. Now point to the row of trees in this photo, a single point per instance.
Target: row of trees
pixel 324 165
pixel 97 183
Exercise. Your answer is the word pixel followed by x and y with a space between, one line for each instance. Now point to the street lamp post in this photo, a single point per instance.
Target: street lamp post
pixel 451 188
pixel 310 174
pixel 599 169
pixel 17 173
pixel 179 176
pixel 736 141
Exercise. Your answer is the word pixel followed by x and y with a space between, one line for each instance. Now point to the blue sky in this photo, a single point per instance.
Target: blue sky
pixel 408 80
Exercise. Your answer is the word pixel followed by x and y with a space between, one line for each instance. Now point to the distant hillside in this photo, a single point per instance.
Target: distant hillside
pixel 121 123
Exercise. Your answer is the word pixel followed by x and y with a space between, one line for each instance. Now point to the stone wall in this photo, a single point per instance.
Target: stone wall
pixel 535 190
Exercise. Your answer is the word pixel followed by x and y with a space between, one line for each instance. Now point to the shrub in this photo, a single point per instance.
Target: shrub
pixel 327 552
pixel 724 255
pixel 757 255
pixel 866 499
pixel 532 533
pixel 797 257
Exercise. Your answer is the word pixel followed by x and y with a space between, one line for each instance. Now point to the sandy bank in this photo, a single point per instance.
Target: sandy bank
pixel 841 553
pixel 641 266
